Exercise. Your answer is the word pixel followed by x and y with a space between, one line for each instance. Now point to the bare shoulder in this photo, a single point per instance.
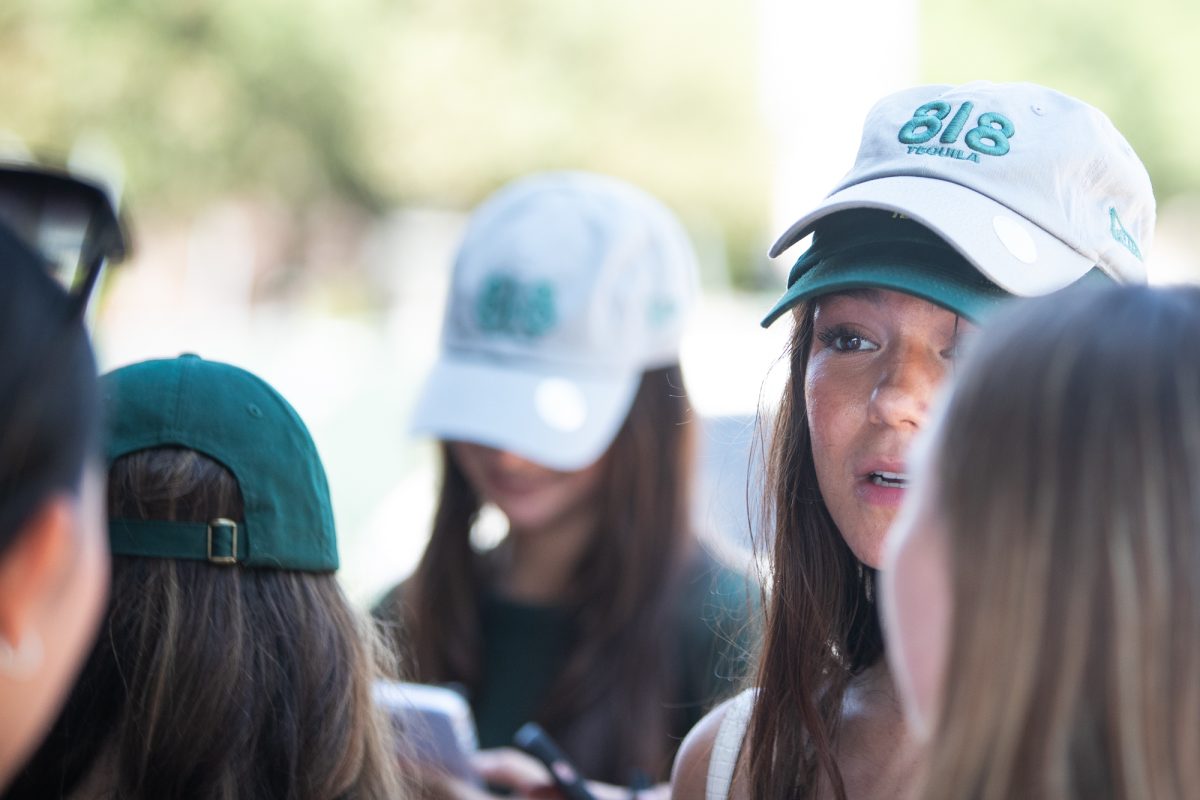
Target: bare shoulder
pixel 689 778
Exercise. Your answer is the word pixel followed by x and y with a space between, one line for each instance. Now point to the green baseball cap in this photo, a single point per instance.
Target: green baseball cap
pixel 238 420
pixel 868 248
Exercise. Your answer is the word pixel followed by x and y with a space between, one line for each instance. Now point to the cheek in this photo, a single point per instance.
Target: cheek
pixel 831 410
pixel 467 457
pixel 581 488
pixel 820 405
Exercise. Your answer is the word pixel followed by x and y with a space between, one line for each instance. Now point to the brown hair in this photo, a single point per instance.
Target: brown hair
pixel 214 681
pixel 623 595
pixel 821 626
pixel 1067 467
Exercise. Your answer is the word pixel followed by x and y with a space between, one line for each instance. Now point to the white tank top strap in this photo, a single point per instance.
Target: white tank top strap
pixel 728 744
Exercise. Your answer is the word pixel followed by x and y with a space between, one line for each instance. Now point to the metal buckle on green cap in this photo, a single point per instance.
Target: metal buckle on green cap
pixel 216 541
pixel 231 557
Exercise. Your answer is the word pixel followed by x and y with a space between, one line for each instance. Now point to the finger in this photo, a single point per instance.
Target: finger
pixel 506 766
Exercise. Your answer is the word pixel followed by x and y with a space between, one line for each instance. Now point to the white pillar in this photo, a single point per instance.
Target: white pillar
pixel 823 65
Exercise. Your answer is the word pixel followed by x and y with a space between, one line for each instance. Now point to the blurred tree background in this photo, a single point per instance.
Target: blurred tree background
pixel 353 107
pixel 1136 62
pixel 374 104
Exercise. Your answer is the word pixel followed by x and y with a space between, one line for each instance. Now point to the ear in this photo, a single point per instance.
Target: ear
pixel 33 564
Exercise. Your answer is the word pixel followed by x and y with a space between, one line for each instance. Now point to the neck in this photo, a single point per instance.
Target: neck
pixel 537 565
pixel 877 754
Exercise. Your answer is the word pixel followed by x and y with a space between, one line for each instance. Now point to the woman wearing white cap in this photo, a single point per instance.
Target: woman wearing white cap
pixel 960 197
pixel 558 398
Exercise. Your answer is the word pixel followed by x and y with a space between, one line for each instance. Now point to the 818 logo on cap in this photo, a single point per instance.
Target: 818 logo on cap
pixel 989 137
pixel 508 305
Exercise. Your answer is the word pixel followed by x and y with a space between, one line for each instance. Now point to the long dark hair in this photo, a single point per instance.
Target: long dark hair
pixel 821 624
pixel 608 708
pixel 49 403
pixel 214 681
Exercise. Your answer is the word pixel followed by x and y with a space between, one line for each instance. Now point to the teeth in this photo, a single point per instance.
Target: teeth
pixel 895 480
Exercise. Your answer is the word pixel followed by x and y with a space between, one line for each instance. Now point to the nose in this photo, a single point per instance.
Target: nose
pixel 905 388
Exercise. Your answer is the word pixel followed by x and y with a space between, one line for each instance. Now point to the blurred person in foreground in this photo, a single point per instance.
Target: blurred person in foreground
pixel 230 663
pixel 53 563
pixel 1043 584
pixel 558 398
pixel 961 197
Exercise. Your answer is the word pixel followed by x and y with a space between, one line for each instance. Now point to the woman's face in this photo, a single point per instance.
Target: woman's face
pixel 877 360
pixel 533 497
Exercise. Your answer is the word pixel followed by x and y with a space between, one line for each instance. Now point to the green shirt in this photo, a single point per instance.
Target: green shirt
pixel 525 648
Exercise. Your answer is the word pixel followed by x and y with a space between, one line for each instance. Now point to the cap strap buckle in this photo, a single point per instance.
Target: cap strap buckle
pixel 222 522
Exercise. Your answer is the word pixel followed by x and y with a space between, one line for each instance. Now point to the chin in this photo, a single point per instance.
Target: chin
pixel 525 521
pixel 869 553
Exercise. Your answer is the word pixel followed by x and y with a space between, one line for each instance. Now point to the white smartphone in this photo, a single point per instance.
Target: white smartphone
pixel 434 724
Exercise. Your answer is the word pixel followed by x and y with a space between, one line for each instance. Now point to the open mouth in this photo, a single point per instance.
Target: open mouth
pixel 890 480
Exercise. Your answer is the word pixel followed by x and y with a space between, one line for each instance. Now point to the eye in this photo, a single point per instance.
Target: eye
pixel 844 339
pixel 957 346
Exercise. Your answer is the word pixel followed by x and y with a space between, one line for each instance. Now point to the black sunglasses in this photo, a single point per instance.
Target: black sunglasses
pixel 72 222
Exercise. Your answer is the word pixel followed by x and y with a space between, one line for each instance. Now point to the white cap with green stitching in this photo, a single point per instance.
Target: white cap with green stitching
pixel 566 288
pixel 1033 187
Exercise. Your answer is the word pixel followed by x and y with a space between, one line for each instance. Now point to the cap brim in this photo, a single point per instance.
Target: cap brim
pixel 1036 263
pixel 967 299
pixel 559 418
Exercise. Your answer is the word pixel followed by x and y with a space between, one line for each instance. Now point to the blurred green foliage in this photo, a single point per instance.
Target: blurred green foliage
pixel 379 103
pixel 382 103
pixel 1134 61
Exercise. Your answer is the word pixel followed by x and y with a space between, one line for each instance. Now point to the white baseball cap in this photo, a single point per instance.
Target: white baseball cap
pixel 566 288
pixel 1033 187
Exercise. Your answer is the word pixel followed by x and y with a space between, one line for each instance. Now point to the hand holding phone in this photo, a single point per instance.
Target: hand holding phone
pixel 535 741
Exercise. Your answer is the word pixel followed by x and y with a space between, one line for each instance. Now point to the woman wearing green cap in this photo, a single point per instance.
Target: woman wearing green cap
pixel 959 198
pixel 230 663
pixel 1043 623
pixel 53 564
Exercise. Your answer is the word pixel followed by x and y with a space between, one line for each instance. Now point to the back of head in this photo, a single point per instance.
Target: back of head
pixel 1066 470
pixel 48 400
pixel 231 663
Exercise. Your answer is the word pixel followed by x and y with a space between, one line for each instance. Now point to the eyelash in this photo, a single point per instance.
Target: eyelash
pixel 829 336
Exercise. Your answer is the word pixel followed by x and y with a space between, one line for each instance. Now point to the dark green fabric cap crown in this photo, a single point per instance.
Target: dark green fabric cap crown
pixel 236 419
pixel 868 248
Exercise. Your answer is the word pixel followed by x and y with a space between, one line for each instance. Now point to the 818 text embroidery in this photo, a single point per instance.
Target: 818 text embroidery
pixel 989 137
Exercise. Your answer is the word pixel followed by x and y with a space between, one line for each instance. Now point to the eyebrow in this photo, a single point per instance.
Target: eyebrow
pixel 868 293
